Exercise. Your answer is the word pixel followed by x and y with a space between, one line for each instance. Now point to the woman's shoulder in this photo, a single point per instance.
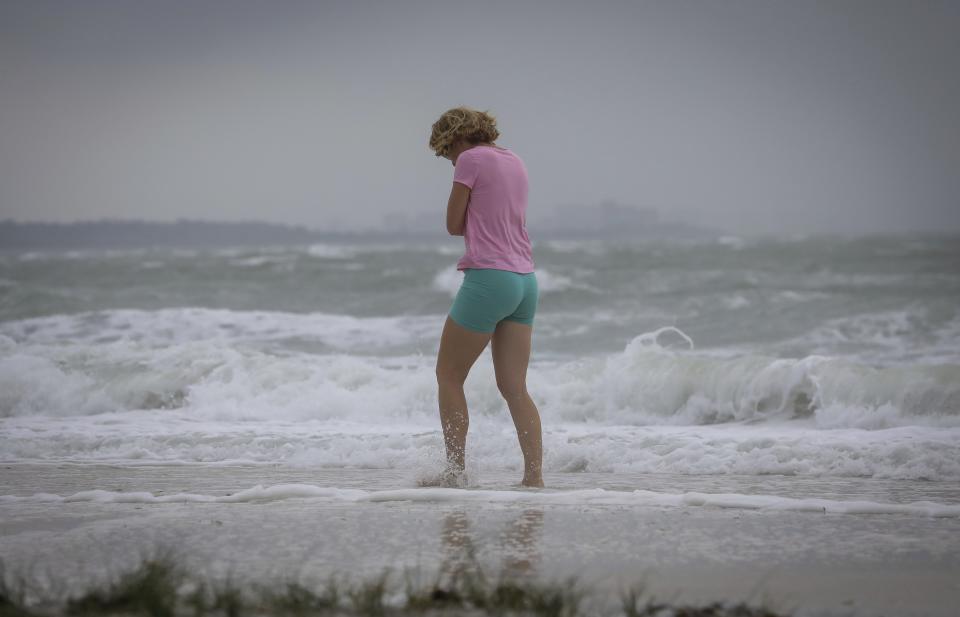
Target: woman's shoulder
pixel 488 149
pixel 491 153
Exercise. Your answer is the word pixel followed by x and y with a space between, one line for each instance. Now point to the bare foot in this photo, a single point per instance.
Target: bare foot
pixel 532 482
pixel 448 478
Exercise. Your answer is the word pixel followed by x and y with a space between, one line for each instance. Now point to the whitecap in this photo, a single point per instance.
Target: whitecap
pixel 330 251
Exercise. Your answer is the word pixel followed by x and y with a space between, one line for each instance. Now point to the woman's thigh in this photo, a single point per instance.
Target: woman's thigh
pixel 459 349
pixel 510 349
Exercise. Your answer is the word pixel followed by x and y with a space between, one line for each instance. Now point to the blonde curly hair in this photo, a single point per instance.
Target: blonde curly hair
pixel 462 123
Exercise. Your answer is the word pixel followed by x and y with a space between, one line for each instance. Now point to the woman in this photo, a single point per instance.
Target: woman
pixel 498 297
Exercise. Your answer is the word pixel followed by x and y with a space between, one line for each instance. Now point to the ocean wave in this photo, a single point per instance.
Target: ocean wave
pixel 331 251
pixel 355 250
pixel 255 261
pixel 659 406
pixel 415 444
pixel 163 327
pixel 909 335
pixel 206 360
pixel 582 497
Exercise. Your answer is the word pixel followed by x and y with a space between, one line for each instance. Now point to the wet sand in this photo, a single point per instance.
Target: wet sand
pixel 804 562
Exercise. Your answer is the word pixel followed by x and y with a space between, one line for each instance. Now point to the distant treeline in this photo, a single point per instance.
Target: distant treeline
pixel 181 233
pixel 126 234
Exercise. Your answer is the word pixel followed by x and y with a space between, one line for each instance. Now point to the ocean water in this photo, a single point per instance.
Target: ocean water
pixel 722 416
pixel 803 358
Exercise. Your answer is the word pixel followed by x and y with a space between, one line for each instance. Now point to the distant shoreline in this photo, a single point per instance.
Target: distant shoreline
pixel 126 234
pixel 187 233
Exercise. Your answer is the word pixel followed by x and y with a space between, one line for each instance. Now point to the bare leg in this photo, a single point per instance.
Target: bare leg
pixel 511 354
pixel 459 349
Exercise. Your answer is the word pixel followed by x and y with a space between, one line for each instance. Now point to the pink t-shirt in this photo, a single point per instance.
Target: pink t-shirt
pixel 495 230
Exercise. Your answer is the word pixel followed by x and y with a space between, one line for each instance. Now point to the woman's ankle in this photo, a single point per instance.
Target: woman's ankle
pixel 532 480
pixel 447 478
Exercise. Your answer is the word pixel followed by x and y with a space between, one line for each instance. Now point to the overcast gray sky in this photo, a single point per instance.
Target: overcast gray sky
pixel 758 116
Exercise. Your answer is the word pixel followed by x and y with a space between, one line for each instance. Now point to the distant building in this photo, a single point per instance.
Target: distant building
pixel 424 221
pixel 608 217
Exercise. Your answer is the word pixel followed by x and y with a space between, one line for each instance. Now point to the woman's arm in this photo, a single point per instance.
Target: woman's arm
pixel 457 208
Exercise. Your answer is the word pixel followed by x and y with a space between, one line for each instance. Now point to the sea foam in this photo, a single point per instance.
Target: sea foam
pixel 582 497
pixel 188 385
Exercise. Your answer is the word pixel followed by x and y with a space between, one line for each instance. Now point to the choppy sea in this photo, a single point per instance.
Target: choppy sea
pixel 723 414
pixel 797 357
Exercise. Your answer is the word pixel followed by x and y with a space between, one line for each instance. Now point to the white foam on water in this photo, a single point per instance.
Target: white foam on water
pixel 189 384
pixel 448 249
pixel 735 301
pixel 548 282
pixel 331 251
pixel 582 497
pixel 448 281
pixel 793 296
pixel 135 354
pixel 163 327
pixel 648 383
pixel 734 242
pixel 903 336
pixel 7 344
pixel 886 328
pixel 255 261
pixel 590 247
pixel 360 440
pixel 33 256
pixel 322 250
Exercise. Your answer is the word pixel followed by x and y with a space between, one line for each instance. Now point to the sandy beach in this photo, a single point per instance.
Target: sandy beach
pixel 313 523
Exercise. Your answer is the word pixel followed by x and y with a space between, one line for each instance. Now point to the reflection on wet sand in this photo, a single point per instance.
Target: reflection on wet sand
pixel 518 545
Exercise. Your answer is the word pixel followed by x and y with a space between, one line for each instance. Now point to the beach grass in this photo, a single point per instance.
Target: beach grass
pixel 160 586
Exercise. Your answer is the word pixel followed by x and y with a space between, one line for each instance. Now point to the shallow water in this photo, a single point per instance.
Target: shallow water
pixel 258 522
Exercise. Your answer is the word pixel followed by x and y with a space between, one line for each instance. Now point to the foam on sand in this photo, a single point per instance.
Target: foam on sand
pixel 583 497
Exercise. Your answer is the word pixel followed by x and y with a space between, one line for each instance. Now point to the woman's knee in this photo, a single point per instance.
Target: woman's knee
pixel 450 376
pixel 512 388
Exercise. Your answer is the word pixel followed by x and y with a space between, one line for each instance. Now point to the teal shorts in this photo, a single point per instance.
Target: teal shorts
pixel 488 296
